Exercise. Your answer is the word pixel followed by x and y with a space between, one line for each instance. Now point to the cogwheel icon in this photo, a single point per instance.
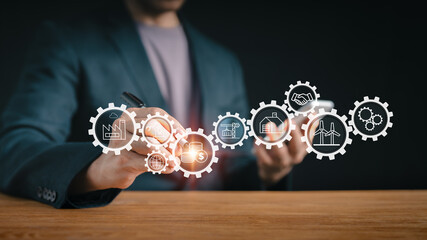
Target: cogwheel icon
pixel 369 125
pixel 230 128
pixel 212 159
pixel 156 162
pixel 315 98
pixel 365 114
pixel 168 138
pixel 260 139
pixel 94 120
pixel 375 119
pixel 322 114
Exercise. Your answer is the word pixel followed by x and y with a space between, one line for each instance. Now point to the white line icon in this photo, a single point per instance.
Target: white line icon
pixel 195 152
pixel 302 98
pixel 158 133
pixel 230 137
pixel 269 128
pixel 229 133
pixel 115 132
pixel 370 119
pixel 322 132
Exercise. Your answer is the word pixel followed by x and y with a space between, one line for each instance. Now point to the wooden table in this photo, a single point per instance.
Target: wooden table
pixel 226 215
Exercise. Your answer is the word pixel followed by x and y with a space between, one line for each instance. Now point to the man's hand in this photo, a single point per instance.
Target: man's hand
pixel 276 163
pixel 119 171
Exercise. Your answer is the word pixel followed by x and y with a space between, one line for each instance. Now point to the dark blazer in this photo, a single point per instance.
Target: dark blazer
pixel 76 66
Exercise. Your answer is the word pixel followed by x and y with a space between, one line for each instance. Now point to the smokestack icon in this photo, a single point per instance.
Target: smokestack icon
pixel 115 132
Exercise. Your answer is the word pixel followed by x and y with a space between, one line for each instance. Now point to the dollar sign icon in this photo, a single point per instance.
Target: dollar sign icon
pixel 202 156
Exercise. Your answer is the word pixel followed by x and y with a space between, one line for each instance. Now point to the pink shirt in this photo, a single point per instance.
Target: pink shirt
pixel 168 52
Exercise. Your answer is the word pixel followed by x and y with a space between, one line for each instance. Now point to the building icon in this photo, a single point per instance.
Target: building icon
pixel 269 128
pixel 115 132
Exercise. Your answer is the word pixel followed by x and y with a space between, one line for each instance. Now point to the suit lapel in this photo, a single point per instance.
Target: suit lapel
pixel 125 37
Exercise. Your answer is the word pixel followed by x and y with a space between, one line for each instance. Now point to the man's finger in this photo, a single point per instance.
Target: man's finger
pixel 313 130
pixel 135 161
pixel 154 128
pixel 296 148
pixel 280 156
pixel 273 132
pixel 179 128
pixel 141 147
pixel 262 155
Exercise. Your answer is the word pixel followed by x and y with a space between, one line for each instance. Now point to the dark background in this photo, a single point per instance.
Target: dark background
pixel 348 50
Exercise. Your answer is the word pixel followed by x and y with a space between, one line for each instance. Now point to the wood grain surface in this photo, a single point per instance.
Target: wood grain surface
pixel 225 215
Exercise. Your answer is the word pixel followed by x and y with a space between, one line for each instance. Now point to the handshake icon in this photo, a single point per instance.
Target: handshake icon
pixel 302 98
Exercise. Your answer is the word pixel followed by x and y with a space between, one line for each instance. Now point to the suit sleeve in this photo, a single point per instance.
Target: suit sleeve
pixel 36 161
pixel 242 169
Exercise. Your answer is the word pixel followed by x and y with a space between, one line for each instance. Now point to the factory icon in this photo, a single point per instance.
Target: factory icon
pixel 115 132
pixel 323 133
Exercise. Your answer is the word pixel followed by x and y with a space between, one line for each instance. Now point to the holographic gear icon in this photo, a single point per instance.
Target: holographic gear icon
pixel 122 108
pixel 164 117
pixel 243 124
pixel 213 158
pixel 156 154
pixel 375 122
pixel 315 102
pixel 258 139
pixel 377 119
pixel 322 113
pixel 361 114
pixel 369 125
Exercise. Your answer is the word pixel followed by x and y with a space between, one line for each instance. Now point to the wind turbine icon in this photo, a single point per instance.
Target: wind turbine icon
pixel 322 132
pixel 332 133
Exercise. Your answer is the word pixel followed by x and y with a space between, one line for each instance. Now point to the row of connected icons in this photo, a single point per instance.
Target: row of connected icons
pixel 325 132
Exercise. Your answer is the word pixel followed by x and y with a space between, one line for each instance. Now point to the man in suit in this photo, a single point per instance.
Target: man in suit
pixel 76 66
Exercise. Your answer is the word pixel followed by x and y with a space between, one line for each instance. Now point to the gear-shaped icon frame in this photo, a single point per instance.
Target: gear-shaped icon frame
pixel 352 113
pixel 359 114
pixel 299 84
pixel 259 140
pixel 164 117
pixel 94 120
pixel 245 130
pixel 160 170
pixel 323 113
pixel 213 159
